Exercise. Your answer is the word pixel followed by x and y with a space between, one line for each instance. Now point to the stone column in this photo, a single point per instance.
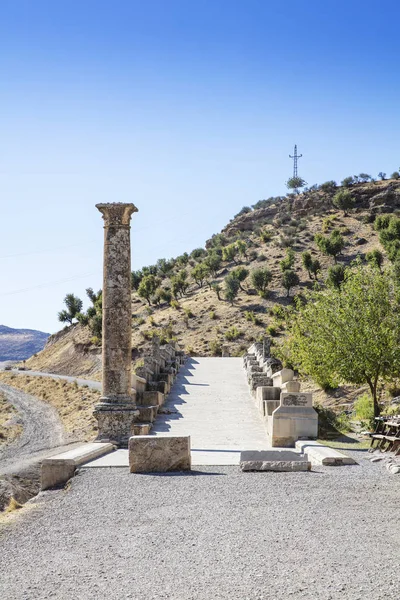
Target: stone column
pixel 117 411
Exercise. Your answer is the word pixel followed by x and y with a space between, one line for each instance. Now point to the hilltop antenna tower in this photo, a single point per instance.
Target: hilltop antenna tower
pixel 295 158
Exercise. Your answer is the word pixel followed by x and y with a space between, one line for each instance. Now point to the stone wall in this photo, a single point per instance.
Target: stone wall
pixel 152 382
pixel 288 413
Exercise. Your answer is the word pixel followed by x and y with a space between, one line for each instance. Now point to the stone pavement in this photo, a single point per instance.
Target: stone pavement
pixel 211 402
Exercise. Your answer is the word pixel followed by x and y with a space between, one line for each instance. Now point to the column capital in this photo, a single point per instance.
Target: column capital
pixel 116 213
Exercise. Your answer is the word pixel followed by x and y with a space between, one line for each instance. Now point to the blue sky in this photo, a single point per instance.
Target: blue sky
pixel 189 109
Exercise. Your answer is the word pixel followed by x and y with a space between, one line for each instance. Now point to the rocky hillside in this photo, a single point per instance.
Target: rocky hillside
pixel 197 313
pixel 19 344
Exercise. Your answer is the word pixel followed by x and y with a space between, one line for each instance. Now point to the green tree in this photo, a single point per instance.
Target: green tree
pixel 349 336
pixel 294 183
pixel 348 181
pixel 229 253
pixel 136 278
pixel 231 288
pixel 307 262
pixel 241 248
pixel 217 289
pixel 179 283
pixel 336 275
pixel 315 268
pixel 288 261
pixel 240 273
pixel 260 279
pixel 395 175
pixel 200 273
pixel 328 186
pixel 213 261
pixel 74 307
pixel 363 177
pixel 381 175
pixel 148 286
pixel 375 258
pixel 343 200
pixel 198 253
pixel 289 279
pixel 164 266
pixel 332 245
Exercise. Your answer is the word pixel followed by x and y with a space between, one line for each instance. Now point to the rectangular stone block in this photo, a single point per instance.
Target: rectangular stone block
pixel 152 398
pixel 56 471
pixel 282 376
pixel 290 387
pixel 274 460
pixel 147 414
pixel 159 453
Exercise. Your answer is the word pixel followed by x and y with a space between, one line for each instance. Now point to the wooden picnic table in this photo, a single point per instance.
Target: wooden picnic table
pixel 386 435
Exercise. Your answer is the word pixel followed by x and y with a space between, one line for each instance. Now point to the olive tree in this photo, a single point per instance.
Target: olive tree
pixel 351 335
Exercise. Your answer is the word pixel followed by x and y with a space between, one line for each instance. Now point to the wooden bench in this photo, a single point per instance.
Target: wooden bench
pixel 386 435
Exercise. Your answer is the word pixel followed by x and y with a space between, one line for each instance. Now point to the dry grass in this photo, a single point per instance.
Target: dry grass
pixel 74 404
pixel 10 429
pixel 13 505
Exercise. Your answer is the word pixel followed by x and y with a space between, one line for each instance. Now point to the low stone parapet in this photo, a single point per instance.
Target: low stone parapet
pixel 58 469
pixel 159 453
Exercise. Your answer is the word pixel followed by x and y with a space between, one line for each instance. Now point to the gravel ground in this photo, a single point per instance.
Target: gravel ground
pixel 209 535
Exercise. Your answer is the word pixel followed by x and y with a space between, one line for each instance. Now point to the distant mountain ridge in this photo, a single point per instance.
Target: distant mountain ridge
pixel 20 344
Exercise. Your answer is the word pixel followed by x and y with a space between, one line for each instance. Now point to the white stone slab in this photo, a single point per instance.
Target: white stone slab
pixel 323 455
pixel 57 469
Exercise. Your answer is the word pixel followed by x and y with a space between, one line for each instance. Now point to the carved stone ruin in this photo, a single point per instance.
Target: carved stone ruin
pixel 116 412
pixel 288 413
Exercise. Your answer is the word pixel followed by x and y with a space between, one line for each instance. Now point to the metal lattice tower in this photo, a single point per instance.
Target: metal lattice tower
pixel 295 158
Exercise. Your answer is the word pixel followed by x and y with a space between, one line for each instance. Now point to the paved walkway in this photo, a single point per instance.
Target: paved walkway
pixel 211 402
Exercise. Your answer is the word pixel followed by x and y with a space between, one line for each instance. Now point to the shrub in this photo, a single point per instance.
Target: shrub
pixel 343 200
pixel 233 333
pixel 215 348
pixel 175 304
pixel 328 186
pixel 382 222
pixel 232 286
pixel 188 313
pixel 336 275
pixel 260 279
pixel 272 330
pixel 375 258
pixel 229 253
pixel 348 181
pixel 364 409
pixel 289 279
pixel 266 235
pixel 395 175
pixel 212 315
pixel 332 245
pixel 288 261
pixel 252 317
pixel 240 273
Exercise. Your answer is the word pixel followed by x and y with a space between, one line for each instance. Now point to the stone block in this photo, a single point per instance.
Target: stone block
pixel 290 387
pixel 152 398
pixel 258 379
pixel 159 453
pixel 293 419
pixel 142 428
pixel 266 395
pixel 58 469
pixel 147 414
pixel 274 460
pixel 323 455
pixel 282 376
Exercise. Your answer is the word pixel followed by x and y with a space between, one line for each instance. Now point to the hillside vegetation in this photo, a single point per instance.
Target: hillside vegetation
pixel 237 288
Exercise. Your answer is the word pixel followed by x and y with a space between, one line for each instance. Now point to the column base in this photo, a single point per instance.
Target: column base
pixel 115 422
